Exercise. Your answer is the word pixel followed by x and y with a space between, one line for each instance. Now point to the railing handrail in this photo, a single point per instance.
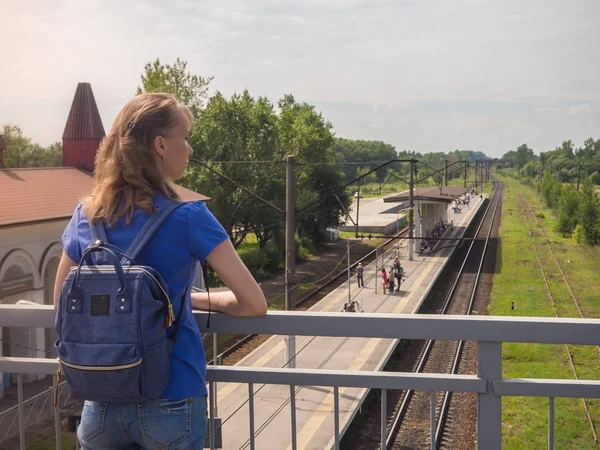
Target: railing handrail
pixel 489 332
pixel 542 330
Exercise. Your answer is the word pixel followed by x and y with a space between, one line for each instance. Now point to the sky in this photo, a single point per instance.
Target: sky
pixel 426 75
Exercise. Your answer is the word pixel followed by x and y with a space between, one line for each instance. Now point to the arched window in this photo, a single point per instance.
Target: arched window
pixel 16 280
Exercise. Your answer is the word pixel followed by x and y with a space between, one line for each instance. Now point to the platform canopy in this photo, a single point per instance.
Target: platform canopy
pixel 436 194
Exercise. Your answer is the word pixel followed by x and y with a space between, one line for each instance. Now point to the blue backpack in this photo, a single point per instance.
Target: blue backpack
pixel 115 323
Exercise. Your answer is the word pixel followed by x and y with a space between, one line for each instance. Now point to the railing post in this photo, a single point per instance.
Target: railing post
pixel 211 390
pixel 383 418
pixel 336 417
pixel 432 422
pixel 551 423
pixel 293 410
pixel 489 405
pixel 56 411
pixel 251 413
pixel 21 411
pixel 215 362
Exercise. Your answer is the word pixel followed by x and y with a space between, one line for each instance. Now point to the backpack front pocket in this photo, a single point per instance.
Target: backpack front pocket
pixel 102 372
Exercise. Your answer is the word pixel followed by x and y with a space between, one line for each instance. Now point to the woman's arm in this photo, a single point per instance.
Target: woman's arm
pixel 64 266
pixel 245 298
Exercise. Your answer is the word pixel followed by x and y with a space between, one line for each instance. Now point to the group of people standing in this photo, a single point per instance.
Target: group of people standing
pixel 387 282
pixel 397 273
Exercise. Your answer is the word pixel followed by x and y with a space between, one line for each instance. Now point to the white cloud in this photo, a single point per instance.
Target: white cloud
pixel 578 110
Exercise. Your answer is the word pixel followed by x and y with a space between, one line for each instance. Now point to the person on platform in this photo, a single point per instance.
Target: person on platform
pixel 359 275
pixel 398 273
pixel 384 279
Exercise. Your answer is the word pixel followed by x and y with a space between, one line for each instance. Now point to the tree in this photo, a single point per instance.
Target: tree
pixel 175 79
pixel 522 156
pixel 587 152
pixel 568 205
pixel 564 225
pixel 21 152
pixel 550 190
pixel 304 133
pixel 242 130
pixel 589 213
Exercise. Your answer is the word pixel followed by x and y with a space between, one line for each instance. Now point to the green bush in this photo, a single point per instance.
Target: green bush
pixel 540 215
pixel 565 224
pixel 577 234
pixel 275 256
pixel 256 261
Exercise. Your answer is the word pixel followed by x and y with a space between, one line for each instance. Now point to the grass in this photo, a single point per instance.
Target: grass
pixel 518 279
pixel 47 442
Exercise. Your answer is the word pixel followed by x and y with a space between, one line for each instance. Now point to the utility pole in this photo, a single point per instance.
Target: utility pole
pixel 446 172
pixel 348 250
pixel 411 205
pixel 481 170
pixel 466 169
pixel 357 208
pixel 578 176
pixel 397 233
pixel 290 255
pixel 476 167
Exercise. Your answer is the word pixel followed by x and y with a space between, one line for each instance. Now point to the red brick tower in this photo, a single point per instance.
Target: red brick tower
pixel 84 130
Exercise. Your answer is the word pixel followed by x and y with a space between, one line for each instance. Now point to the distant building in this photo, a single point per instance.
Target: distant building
pixel 35 206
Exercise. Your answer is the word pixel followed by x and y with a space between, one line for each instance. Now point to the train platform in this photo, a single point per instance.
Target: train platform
pixel 315 404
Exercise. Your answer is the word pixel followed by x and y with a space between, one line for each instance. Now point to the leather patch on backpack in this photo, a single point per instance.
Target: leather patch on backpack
pixel 100 305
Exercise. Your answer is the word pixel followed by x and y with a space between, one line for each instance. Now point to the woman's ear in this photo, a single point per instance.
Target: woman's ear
pixel 159 145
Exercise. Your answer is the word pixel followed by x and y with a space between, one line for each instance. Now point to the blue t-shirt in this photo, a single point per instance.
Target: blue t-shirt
pixel 187 236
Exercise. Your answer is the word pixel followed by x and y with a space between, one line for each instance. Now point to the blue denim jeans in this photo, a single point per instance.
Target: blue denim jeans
pixel 174 423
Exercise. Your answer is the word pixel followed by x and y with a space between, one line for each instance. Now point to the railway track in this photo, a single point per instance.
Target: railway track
pixel 387 256
pixel 527 210
pixel 247 343
pixel 409 425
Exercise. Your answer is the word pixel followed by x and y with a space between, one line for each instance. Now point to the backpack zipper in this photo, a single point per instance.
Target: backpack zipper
pixel 170 307
pixel 102 368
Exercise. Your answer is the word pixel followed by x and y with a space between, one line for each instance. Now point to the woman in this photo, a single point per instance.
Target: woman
pixel 384 279
pixel 146 147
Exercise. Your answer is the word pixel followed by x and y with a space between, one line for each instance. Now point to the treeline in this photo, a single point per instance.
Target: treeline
pixel 566 178
pixel 566 162
pixel 22 152
pixel 374 153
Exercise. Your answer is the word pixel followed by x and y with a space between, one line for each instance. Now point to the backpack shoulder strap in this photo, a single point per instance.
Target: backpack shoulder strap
pixel 150 227
pixel 98 231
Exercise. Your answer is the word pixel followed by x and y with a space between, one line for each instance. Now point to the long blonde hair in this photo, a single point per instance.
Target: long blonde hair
pixel 127 170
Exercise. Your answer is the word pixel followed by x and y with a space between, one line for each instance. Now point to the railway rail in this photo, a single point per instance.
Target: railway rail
pixel 528 211
pixel 409 427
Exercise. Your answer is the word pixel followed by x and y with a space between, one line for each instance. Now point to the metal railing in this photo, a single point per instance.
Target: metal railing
pixel 489 332
pixel 32 411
